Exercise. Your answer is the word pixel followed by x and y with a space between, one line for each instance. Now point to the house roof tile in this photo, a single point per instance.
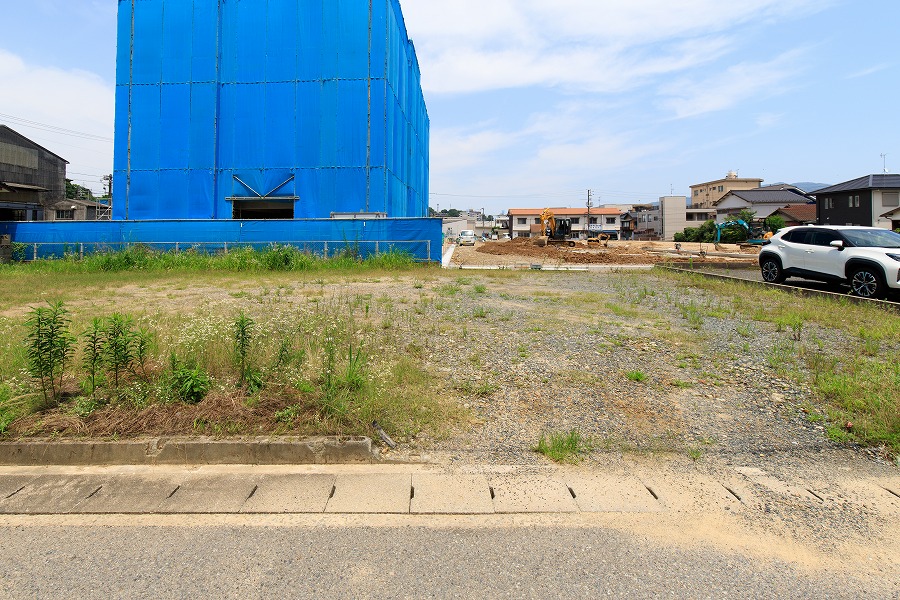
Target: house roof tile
pixel 801 213
pixel 767 196
pixel 869 182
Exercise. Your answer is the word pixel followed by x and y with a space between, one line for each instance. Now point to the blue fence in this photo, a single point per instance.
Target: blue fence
pixel 327 237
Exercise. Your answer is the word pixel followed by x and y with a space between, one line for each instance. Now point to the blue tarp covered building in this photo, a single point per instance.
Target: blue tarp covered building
pixel 267 109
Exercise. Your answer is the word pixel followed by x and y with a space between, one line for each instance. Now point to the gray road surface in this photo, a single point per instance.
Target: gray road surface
pixel 243 561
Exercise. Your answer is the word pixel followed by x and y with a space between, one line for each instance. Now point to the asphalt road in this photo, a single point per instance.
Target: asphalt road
pixel 753 274
pixel 245 560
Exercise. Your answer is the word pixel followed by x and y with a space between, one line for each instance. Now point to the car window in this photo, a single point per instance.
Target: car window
pixel 821 237
pixel 873 238
pixel 797 236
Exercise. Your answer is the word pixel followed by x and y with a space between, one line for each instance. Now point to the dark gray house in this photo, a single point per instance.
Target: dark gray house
pixel 31 178
pixel 872 201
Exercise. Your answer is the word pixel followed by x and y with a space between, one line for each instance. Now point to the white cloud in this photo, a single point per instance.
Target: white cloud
pixel 458 149
pixel 869 71
pixel 74 100
pixel 720 91
pixel 605 45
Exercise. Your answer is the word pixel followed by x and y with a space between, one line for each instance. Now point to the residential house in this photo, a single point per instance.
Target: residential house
pixel 797 214
pixel 706 195
pixel 662 221
pixel 78 210
pixel 585 221
pixel 487 227
pixel 872 201
pixel 762 201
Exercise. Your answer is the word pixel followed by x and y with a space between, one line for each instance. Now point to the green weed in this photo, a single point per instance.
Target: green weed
pixel 563 447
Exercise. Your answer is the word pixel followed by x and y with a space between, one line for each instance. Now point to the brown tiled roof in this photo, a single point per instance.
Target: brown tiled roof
pixel 802 213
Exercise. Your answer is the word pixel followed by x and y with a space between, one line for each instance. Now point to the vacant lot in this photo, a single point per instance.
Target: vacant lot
pixel 471 368
pixel 522 252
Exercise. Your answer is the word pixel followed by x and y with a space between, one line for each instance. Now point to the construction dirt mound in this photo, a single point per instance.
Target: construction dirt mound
pixel 579 255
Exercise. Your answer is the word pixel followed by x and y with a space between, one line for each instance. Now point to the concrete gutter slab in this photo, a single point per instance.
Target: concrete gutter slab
pixel 275 494
pixel 53 494
pixel 210 494
pixel 11 484
pixel 774 485
pixel 612 493
pixel 691 492
pixel 387 493
pixel 531 494
pixel 129 494
pixel 451 494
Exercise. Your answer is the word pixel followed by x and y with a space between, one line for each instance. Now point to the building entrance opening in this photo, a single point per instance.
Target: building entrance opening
pixel 262 210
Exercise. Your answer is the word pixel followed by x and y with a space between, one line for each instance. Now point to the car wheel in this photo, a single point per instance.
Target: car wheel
pixel 867 282
pixel 771 270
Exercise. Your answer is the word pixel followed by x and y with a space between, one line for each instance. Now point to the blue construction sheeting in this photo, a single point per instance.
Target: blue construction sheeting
pixel 222 104
pixel 419 237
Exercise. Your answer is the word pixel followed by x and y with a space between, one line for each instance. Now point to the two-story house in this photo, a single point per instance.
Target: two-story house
pixel 872 201
pixel 586 222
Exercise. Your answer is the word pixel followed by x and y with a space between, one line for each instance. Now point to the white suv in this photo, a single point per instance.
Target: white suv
pixel 866 258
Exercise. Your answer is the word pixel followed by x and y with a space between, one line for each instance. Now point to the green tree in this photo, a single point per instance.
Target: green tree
pixel 747 216
pixel 775 223
pixel 73 191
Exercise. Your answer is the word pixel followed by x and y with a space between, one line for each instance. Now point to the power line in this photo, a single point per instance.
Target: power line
pixel 54 128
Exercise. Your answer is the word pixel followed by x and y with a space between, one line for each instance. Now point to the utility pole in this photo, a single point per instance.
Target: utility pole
pixel 590 193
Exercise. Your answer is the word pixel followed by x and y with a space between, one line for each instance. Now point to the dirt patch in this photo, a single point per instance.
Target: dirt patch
pixel 220 414
pixel 523 251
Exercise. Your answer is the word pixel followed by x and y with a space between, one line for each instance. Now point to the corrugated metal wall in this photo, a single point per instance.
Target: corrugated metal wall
pixel 315 102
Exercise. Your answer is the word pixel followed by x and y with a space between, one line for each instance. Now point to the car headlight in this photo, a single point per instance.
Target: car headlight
pixel 895 257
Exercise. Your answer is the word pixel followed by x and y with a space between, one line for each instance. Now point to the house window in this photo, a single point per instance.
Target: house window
pixel 721 188
pixel 522 221
pixel 829 203
pixel 890 198
pixel 576 220
pixel 537 221
pixel 65 215
pixel 610 220
pixel 696 192
pixel 593 221
pixel 854 201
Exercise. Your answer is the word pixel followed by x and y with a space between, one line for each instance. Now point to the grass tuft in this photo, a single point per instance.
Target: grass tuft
pixel 563 447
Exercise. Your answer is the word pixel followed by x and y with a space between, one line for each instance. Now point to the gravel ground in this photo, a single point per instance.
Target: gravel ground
pixel 538 352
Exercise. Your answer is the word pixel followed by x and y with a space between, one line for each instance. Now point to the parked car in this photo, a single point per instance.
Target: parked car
pixel 865 258
pixel 466 238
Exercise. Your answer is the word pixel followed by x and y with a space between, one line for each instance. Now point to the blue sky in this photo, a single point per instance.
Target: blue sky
pixel 533 102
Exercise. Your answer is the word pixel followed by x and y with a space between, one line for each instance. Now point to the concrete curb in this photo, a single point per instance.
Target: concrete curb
pixel 191 451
